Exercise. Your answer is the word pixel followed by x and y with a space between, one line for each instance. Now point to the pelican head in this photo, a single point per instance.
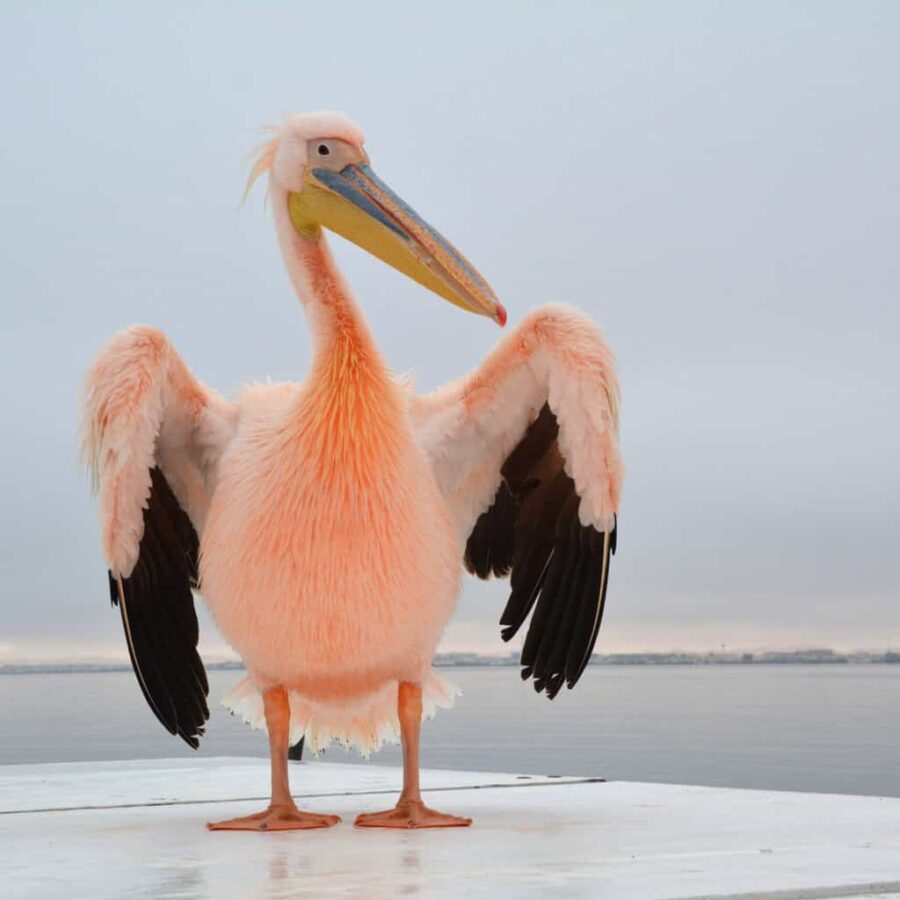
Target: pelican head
pixel 318 161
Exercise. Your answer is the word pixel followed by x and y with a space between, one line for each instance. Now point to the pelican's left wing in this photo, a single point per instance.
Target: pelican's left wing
pixel 153 435
pixel 525 451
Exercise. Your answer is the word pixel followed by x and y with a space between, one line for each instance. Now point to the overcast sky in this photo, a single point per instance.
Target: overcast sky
pixel 717 184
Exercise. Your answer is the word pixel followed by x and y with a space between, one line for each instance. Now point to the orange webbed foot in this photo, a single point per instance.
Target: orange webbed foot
pixel 276 818
pixel 411 814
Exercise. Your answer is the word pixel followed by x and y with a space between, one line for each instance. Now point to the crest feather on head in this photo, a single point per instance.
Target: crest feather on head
pixel 263 156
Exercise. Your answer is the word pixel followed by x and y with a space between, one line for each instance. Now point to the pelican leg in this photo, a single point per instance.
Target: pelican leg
pixel 410 811
pixel 282 813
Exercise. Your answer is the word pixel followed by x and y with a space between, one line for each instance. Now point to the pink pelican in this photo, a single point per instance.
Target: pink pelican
pixel 326 523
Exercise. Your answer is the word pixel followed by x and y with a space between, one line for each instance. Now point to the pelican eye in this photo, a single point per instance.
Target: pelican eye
pixel 323 150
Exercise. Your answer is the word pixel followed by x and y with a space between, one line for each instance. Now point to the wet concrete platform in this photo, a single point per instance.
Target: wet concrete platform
pixel 136 829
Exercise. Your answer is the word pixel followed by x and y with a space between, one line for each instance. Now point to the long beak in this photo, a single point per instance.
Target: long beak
pixel 359 206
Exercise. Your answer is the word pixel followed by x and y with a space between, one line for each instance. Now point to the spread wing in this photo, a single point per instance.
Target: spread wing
pixel 152 436
pixel 525 449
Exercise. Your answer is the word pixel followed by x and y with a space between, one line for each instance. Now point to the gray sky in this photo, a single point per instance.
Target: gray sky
pixel 716 183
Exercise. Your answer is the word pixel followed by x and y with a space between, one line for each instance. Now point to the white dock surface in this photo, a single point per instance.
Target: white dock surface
pixel 136 829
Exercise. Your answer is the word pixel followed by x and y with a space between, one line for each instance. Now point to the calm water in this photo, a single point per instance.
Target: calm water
pixel 818 728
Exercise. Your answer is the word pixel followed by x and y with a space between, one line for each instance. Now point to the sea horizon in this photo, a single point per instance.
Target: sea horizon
pixel 469 659
pixel 725 725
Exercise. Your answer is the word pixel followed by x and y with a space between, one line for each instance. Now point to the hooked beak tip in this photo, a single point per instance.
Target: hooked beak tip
pixel 500 314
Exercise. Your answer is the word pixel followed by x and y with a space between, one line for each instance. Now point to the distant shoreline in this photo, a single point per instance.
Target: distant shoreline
pixel 472 660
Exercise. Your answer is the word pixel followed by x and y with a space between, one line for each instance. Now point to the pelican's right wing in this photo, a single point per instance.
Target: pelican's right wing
pixel 153 435
pixel 525 450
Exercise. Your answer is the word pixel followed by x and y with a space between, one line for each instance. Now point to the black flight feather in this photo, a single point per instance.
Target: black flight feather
pixel 558 568
pixel 159 619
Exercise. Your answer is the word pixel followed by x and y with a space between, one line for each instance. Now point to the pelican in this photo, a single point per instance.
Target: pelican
pixel 327 523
